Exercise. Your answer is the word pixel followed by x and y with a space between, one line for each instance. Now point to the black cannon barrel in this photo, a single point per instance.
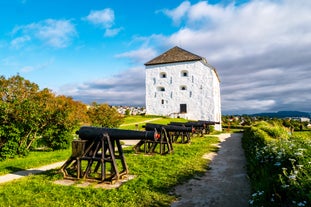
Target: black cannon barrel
pixel 169 128
pixel 90 133
pixel 188 124
pixel 209 122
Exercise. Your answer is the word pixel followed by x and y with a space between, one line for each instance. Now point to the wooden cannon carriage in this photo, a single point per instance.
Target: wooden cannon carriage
pixel 98 154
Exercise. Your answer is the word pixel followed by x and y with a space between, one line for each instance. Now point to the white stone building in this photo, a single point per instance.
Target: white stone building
pixel 182 84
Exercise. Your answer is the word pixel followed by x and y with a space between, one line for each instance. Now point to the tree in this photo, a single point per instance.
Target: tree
pixel 65 116
pixel 17 108
pixel 104 116
pixel 29 115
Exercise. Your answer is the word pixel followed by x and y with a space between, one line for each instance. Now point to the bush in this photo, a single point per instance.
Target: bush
pixel 279 167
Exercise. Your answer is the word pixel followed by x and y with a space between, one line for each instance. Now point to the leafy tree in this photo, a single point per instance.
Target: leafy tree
pixel 65 116
pixel 16 96
pixel 105 116
pixel 29 115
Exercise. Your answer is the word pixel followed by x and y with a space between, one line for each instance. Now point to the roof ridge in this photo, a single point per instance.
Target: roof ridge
pixel 175 54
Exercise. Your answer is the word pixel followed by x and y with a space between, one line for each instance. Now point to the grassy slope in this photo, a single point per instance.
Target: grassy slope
pixel 155 177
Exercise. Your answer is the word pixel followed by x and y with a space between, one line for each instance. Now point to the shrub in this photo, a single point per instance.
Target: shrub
pixel 279 167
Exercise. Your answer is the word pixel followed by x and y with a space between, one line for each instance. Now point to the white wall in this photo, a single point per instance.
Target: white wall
pixel 202 94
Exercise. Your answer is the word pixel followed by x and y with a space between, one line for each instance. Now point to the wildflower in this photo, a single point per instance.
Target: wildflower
pixel 251 202
pixel 285 186
pixel 254 194
pixel 299 166
pixel 298 153
pixel 291 159
pixel 296 172
pixel 292 177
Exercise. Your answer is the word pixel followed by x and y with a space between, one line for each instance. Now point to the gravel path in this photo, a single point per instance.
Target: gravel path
pixel 225 184
pixel 20 174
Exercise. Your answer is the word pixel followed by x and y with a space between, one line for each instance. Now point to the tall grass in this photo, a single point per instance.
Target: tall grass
pixel 278 165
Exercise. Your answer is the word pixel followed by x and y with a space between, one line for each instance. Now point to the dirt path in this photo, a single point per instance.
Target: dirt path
pixel 225 184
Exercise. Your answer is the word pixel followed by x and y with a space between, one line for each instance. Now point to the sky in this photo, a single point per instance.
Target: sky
pixel 95 50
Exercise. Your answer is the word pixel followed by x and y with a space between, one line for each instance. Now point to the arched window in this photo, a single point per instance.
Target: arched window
pixel 162 75
pixel 184 73
pixel 183 88
pixel 160 88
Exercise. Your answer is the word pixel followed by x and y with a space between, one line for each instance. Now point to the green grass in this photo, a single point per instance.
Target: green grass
pixel 34 159
pixel 155 178
pixel 130 122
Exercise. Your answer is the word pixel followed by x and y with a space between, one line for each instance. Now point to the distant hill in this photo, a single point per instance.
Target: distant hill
pixel 284 114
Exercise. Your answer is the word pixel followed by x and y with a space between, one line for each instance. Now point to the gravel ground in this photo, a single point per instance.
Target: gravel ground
pixel 225 184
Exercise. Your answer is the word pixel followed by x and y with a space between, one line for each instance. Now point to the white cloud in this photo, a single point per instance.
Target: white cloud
pixel 178 13
pixel 28 68
pixel 104 18
pixel 112 32
pixel 54 33
pixel 20 41
pixel 124 88
pixel 141 55
pixel 261 50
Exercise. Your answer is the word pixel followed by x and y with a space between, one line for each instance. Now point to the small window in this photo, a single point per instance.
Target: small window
pixel 183 108
pixel 184 73
pixel 163 75
pixel 162 101
pixel 183 88
pixel 160 89
pixel 154 81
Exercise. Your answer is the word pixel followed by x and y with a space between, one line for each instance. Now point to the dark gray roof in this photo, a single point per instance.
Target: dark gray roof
pixel 173 55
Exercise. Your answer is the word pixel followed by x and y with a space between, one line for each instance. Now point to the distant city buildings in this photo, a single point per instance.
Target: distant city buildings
pixel 130 110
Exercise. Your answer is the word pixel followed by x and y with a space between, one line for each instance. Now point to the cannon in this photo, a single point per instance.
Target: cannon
pixel 168 134
pixel 99 147
pixel 175 131
pixel 201 127
pixel 208 124
pixel 198 127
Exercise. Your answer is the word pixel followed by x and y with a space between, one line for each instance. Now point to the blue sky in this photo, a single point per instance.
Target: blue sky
pixel 95 50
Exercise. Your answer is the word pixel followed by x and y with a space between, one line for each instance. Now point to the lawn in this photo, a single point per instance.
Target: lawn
pixel 155 178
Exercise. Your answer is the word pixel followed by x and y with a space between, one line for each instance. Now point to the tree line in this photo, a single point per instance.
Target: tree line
pixel 31 118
